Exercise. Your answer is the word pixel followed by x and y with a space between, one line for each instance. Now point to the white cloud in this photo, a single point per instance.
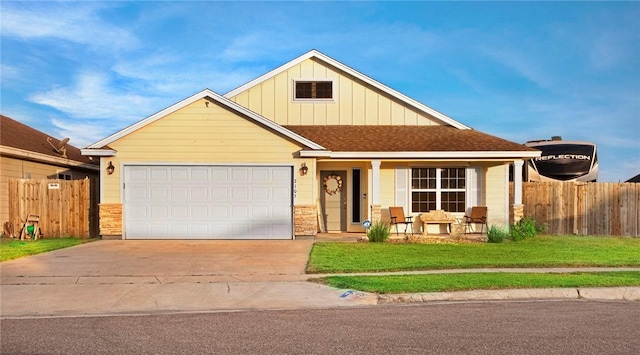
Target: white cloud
pixel 92 96
pixel 74 22
pixel 81 134
pixel 9 72
pixel 163 74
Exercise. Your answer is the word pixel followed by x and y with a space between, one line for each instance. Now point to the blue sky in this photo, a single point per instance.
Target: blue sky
pixel 517 70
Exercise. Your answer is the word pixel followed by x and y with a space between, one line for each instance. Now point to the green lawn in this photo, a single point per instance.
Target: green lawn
pixel 480 281
pixel 541 251
pixel 13 249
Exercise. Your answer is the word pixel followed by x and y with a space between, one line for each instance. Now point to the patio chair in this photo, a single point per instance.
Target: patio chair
pixel 478 215
pixel 398 217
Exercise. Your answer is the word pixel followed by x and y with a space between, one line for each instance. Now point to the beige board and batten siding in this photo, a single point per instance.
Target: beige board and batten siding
pixel 204 133
pixel 497 194
pixel 355 102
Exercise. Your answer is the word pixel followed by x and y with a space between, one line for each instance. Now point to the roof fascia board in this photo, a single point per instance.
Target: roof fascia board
pixel 47 159
pixel 370 81
pixel 98 152
pixel 422 155
pixel 218 98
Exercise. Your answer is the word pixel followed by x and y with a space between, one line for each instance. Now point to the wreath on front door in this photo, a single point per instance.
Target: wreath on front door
pixel 332 184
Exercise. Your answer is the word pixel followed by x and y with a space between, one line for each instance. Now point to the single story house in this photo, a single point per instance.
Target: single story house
pixel 312 145
pixel 26 153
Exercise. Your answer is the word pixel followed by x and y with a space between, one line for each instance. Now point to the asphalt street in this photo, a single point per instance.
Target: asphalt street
pixel 499 327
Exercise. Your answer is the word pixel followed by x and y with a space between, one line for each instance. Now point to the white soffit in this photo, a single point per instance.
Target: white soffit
pixel 420 155
pixel 376 84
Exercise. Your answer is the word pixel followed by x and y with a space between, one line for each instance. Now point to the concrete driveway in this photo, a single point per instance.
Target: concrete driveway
pixel 115 277
pixel 207 260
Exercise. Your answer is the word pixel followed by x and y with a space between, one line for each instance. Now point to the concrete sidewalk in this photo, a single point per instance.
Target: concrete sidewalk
pixel 129 277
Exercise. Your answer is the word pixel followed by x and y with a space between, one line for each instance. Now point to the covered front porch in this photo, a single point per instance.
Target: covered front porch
pixel 349 192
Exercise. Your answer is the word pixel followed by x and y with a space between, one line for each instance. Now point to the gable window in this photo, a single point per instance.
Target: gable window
pixel 438 189
pixel 63 176
pixel 313 90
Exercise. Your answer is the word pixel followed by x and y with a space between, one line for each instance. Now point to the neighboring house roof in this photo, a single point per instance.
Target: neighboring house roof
pixel 634 179
pixel 328 60
pixel 101 148
pixel 21 140
pixel 424 141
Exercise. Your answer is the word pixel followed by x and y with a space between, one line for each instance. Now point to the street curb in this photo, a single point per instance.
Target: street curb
pixel 600 293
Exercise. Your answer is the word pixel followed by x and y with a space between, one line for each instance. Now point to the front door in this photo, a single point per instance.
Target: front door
pixel 333 196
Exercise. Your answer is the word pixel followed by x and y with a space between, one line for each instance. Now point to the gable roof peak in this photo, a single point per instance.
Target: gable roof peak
pixel 313 53
pixel 206 93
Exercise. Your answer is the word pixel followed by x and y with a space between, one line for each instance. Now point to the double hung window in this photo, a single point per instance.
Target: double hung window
pixel 438 189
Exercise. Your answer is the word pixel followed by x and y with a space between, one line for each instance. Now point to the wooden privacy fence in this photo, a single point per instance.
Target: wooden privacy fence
pixel 597 208
pixel 67 208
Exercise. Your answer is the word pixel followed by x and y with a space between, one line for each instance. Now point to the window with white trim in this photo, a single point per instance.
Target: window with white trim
pixel 313 90
pixel 438 189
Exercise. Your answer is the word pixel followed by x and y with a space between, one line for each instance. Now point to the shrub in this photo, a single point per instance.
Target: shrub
pixel 523 229
pixel 379 232
pixel 496 234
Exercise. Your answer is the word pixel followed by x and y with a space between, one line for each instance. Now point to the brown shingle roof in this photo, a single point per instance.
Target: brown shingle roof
pixel 17 135
pixel 404 139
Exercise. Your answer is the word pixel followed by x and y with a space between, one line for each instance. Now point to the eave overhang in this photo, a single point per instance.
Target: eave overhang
pixel 459 155
pixel 98 152
pixel 46 159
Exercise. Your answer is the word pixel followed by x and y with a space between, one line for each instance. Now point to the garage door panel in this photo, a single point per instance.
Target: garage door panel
pixel 281 175
pixel 179 175
pixel 159 212
pixel 158 193
pixel 139 211
pixel 180 193
pixel 240 229
pixel 240 213
pixel 199 193
pixel 280 229
pixel 159 230
pixel 280 213
pixel 220 176
pixel 208 202
pixel 138 192
pixel 260 212
pixel 140 174
pixel 280 193
pixel 261 175
pixel 179 211
pixel 199 212
pixel 158 174
pixel 200 174
pixel 219 193
pixel 219 212
pixel 240 175
pixel 240 194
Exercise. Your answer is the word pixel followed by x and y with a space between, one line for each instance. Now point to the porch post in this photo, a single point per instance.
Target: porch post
pixel 517 182
pixel 517 210
pixel 375 190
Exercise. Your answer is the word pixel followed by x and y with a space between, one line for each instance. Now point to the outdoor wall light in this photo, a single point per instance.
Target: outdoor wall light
pixel 110 168
pixel 303 169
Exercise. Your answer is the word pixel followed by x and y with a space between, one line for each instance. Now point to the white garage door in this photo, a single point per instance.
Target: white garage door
pixel 208 202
